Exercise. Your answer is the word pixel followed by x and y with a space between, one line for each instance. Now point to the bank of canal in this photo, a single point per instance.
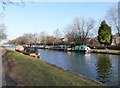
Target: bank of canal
pixel 100 67
pixel 27 71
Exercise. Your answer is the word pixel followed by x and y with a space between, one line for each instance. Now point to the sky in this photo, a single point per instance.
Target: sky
pixel 48 16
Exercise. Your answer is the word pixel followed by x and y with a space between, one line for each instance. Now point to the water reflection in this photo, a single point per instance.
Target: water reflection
pixel 87 55
pixel 103 68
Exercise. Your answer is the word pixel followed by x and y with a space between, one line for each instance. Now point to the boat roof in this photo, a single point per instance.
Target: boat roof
pixel 83 46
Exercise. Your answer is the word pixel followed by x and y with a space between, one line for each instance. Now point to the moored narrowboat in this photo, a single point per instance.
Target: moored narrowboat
pixel 31 51
pixel 81 48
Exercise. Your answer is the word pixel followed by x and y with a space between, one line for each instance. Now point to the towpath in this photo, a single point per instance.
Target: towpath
pixel 2 77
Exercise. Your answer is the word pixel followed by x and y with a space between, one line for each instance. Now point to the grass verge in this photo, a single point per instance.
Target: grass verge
pixel 27 71
pixel 116 52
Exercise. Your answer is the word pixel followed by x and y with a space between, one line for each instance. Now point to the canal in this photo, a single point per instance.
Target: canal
pixel 100 67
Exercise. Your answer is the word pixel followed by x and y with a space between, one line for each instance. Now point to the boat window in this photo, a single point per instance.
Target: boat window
pixel 32 50
pixel 82 47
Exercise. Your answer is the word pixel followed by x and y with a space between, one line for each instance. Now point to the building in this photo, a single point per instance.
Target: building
pixel 116 39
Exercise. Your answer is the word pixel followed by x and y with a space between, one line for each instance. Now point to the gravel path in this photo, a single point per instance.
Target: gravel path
pixel 2 76
pixel 5 80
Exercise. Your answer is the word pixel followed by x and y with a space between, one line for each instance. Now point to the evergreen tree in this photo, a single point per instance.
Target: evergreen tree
pixel 104 34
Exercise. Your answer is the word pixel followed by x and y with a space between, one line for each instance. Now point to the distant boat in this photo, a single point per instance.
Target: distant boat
pixel 31 51
pixel 85 49
pixel 81 48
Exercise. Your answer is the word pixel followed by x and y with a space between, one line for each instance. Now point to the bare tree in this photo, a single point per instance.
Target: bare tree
pixel 70 34
pixel 80 30
pixel 57 34
pixel 2 32
pixel 119 16
pixel 30 37
pixel 27 38
pixel 83 26
pixel 42 37
pixel 50 40
pixel 3 3
pixel 112 18
pixel 7 2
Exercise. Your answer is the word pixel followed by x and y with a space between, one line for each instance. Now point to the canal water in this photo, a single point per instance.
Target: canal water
pixel 100 67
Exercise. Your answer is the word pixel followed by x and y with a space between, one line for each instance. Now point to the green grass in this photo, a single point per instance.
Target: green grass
pixel 33 72
pixel 106 51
